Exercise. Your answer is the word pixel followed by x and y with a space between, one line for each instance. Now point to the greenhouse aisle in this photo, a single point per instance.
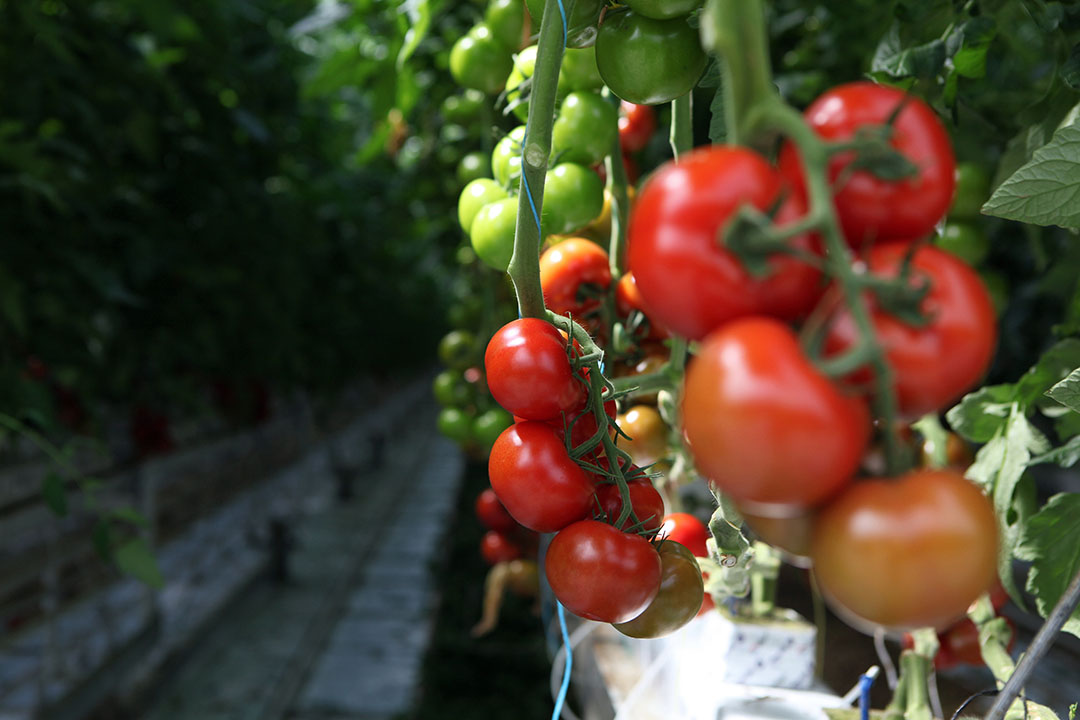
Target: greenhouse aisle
pixel 345 636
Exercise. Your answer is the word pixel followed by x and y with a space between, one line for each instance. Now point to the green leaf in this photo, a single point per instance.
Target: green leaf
pixel 930 427
pixel 981 414
pixel 1054 365
pixel 136 559
pixel 1029 710
pixel 1070 70
pixel 1067 392
pixel 419 12
pixel 1051 543
pixel 54 493
pixel 969 44
pixel 921 61
pixel 1046 190
pixel 1064 456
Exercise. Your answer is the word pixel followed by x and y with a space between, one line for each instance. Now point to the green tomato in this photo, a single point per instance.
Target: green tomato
pixel 506 158
pixel 573 197
pixel 648 61
pixel 972 190
pixel 492 232
pixel 506 18
pixel 664 9
pixel 524 64
pixel 458 349
pixel 964 240
pixel 585 129
pixel 578 70
pixel 456 425
pixel 464 107
pixel 474 197
pixel 580 26
pixel 480 61
pixel 473 166
pixel 487 426
pixel 450 389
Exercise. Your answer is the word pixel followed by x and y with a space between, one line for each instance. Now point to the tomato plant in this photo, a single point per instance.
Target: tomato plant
pixel 647 432
pixel 677 601
pixel 492 232
pixel 498 548
pixel 480 61
pixel 690 281
pixel 646 502
pixel 909 552
pixel 535 479
pixel 581 25
pixel 506 158
pixel 505 19
pixel 458 349
pixel 601 573
pixel 573 197
pixel 637 123
pixel 584 129
pixel 798 439
pixel 474 197
pixel 491 513
pixel 574 274
pixel 686 530
pixel 871 207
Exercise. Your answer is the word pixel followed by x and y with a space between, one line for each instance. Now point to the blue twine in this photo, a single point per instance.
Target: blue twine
pixel 524 142
pixel 865 683
pixel 561 698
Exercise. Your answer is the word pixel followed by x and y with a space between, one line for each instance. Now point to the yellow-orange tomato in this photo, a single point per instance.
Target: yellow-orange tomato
pixel 648 434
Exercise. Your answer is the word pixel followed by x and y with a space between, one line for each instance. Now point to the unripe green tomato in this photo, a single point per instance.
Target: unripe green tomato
pixel 506 19
pixel 585 129
pixel 458 349
pixel 965 240
pixel 492 232
pixel 474 197
pixel 506 158
pixel 524 64
pixel 464 107
pixel 487 426
pixel 578 71
pixel 573 197
pixel 456 425
pixel 664 9
pixel 998 287
pixel 648 61
pixel 972 190
pixel 580 26
pixel 450 389
pixel 480 61
pixel 473 166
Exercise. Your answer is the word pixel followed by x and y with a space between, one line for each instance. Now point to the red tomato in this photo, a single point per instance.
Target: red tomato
pixel 678 600
pixel 789 534
pixel 628 299
pixel 934 364
pixel 637 123
pixel 960 644
pixel 568 271
pixel 529 373
pixel 870 207
pixel 689 280
pixel 535 479
pixel 601 573
pixel 491 512
pixel 497 548
pixel 764 424
pixel 913 551
pixel 686 530
pixel 645 501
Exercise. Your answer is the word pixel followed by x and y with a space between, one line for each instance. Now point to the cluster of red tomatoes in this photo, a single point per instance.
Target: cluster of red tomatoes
pixel 762 421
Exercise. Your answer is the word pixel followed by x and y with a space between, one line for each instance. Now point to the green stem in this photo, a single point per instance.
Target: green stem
pixel 763 576
pixel 992 630
pixel 620 209
pixel 735 29
pixel 682 128
pixel 916 670
pixel 524 268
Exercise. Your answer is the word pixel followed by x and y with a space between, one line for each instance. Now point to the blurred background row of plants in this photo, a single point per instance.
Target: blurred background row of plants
pixel 203 201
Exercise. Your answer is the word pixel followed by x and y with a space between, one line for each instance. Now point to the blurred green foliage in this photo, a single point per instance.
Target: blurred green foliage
pixel 219 192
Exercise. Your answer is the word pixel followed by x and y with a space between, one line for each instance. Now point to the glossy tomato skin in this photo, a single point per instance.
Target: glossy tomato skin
pixel 647 432
pixel 628 299
pixel 479 61
pixel 647 61
pixel 535 479
pixel 600 573
pixel 497 547
pixel 529 373
pixel 584 129
pixel 790 535
pixel 870 208
pixel 568 266
pixel 686 530
pixel 645 501
pixel 637 123
pixel 573 197
pixel 908 552
pixel 691 283
pixel 678 600
pixel 763 424
pixel 934 364
pixel 491 513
